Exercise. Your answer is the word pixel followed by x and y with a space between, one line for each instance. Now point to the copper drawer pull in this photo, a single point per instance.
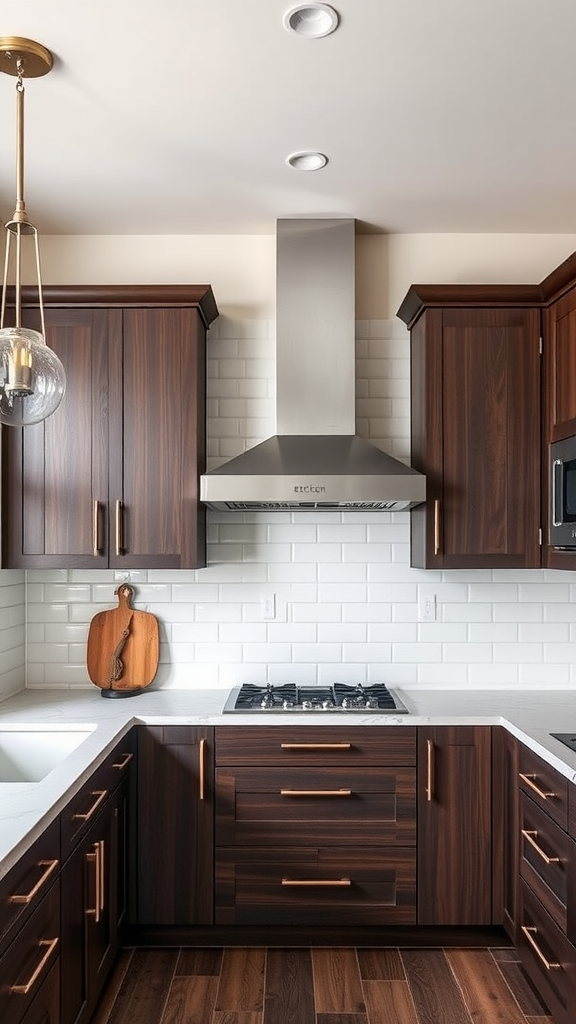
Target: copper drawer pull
pixel 315 792
pixel 96 528
pixel 119 528
pixel 316 746
pixel 548 964
pixel 101 864
pixel 201 770
pixel 50 866
pixel 336 883
pixel 530 836
pixel 429 770
pixel 23 990
pixel 437 527
pixel 94 858
pixel 100 795
pixel 529 780
pixel 126 761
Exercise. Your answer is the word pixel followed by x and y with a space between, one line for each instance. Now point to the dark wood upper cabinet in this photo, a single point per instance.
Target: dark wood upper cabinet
pixel 476 435
pixel 112 478
pixel 560 367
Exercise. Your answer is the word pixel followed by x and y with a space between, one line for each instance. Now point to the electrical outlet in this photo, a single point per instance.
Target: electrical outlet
pixel 427 607
pixel 268 606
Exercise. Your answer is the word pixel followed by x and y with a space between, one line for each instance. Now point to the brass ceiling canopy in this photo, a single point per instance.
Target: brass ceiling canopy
pixel 24 58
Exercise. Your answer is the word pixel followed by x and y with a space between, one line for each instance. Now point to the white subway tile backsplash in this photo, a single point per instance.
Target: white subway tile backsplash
pixel 346 598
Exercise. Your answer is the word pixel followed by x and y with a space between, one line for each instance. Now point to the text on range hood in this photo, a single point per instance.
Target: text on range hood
pixel 315 460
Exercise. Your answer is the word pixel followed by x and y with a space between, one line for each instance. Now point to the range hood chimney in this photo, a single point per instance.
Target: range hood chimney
pixel 315 460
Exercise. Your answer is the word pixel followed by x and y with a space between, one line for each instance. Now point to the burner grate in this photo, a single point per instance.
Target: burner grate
pixel 373 698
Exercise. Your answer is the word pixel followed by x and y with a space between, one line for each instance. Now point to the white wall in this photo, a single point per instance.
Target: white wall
pixel 347 601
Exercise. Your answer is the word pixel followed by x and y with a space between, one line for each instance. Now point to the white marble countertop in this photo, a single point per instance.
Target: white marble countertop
pixel 27 808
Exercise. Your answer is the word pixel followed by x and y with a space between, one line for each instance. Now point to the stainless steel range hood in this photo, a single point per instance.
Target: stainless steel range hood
pixel 315 460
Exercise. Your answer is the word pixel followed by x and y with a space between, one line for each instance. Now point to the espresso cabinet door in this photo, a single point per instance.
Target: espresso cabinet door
pixel 476 436
pixel 157 438
pixel 55 471
pixel 454 826
pixel 175 825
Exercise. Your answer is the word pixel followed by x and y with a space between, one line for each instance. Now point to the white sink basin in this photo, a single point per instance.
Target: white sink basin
pixel 29 753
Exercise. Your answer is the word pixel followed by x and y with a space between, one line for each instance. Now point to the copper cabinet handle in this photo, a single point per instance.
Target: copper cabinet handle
pixel 437 526
pixel 50 866
pixel 126 761
pixel 315 746
pixel 529 931
pixel 100 795
pixel 201 770
pixel 429 770
pixel 337 883
pixel 119 528
pixel 23 990
pixel 94 858
pixel 529 780
pixel 101 866
pixel 96 546
pixel 315 792
pixel 530 836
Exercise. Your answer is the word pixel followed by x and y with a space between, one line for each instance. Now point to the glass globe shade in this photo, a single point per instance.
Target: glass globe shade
pixel 32 378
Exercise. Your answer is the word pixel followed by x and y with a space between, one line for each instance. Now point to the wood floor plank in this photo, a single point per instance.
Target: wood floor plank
pixel 436 995
pixel 337 982
pixel 199 961
pixel 341 1018
pixel 485 991
pixel 389 1002
pixel 243 1017
pixel 381 965
pixel 506 953
pixel 191 1000
pixel 289 994
pixel 242 980
pixel 523 990
pixel 113 986
pixel 144 990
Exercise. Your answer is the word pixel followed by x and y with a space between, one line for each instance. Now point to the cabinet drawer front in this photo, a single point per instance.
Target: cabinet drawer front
pixel 544 785
pixel 85 805
pixel 27 882
pixel 546 859
pixel 548 957
pixel 321 745
pixel 29 960
pixel 315 805
pixel 308 886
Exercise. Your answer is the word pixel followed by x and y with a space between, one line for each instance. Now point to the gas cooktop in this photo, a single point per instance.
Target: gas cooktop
pixel 288 698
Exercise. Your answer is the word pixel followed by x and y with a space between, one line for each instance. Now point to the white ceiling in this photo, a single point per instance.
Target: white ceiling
pixel 176 116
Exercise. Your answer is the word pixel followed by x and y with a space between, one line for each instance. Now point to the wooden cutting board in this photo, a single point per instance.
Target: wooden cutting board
pixel 123 645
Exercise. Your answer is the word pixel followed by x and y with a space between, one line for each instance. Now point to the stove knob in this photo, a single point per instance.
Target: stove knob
pixel 287 704
pixel 307 704
pixel 267 701
pixel 347 703
pixel 327 703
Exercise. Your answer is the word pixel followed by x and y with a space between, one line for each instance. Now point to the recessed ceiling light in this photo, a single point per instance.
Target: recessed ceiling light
pixel 313 21
pixel 307 160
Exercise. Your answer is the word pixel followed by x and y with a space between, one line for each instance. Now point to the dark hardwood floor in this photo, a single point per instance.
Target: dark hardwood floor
pixel 320 986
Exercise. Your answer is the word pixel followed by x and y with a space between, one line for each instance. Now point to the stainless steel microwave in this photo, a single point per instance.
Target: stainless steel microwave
pixel 563 493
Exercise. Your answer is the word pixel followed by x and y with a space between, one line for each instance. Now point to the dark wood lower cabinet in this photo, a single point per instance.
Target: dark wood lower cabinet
pixel 505 830
pixel 175 826
pixel 454 826
pixel 89 932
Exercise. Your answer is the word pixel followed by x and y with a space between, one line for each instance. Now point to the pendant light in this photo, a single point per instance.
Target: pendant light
pixel 32 378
